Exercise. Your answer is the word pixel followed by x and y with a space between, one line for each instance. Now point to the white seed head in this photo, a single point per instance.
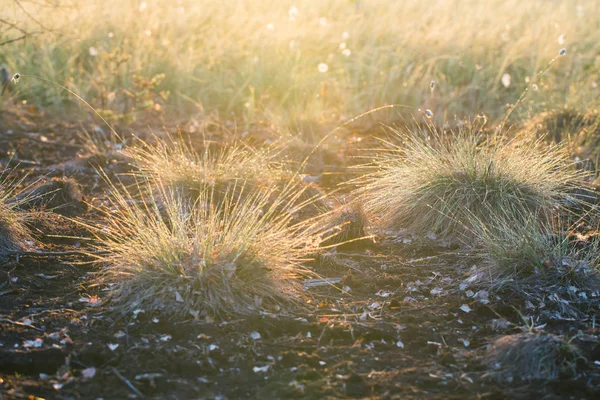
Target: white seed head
pixel 506 80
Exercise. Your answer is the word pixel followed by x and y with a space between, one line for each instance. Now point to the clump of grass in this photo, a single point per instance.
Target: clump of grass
pixel 14 235
pixel 437 183
pixel 99 150
pixel 348 225
pixel 176 165
pixel 567 125
pixel 531 356
pixel 233 256
pixel 521 251
pixel 55 194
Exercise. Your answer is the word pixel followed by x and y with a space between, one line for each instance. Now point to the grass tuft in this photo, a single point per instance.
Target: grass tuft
pixel 233 256
pixel 567 125
pixel 519 252
pixel 348 224
pixel 57 194
pixel 14 235
pixel 174 164
pixel 437 183
pixel 531 356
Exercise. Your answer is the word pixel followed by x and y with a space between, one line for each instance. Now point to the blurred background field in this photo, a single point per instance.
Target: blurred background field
pixel 288 63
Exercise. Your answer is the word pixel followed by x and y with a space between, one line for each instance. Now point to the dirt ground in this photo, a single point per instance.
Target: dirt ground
pixel 401 322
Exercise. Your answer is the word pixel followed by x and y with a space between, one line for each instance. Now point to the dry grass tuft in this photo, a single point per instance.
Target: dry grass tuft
pixel 437 183
pixel 55 194
pixel 547 265
pixel 233 256
pixel 348 225
pixel 531 356
pixel 14 235
pixel 566 125
pixel 522 251
pixel 222 171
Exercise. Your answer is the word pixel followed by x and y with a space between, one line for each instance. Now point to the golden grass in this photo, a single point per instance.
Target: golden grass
pixel 437 183
pixel 14 235
pixel 253 60
pixel 534 252
pixel 237 256
pixel 53 194
pixel 174 164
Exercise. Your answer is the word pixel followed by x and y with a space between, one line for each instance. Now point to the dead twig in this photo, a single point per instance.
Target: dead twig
pixel 21 324
pixel 127 382
pixel 13 40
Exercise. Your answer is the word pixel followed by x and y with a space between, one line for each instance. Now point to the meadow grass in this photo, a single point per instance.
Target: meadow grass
pixel 249 61
pixel 302 66
pixel 435 182
pixel 239 255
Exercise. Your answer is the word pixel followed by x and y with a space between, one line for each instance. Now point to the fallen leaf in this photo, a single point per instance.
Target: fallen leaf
pixel 375 305
pixel 37 343
pixel 88 373
pixel 94 301
pixel 466 308
pixel 178 297
pixel 261 369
